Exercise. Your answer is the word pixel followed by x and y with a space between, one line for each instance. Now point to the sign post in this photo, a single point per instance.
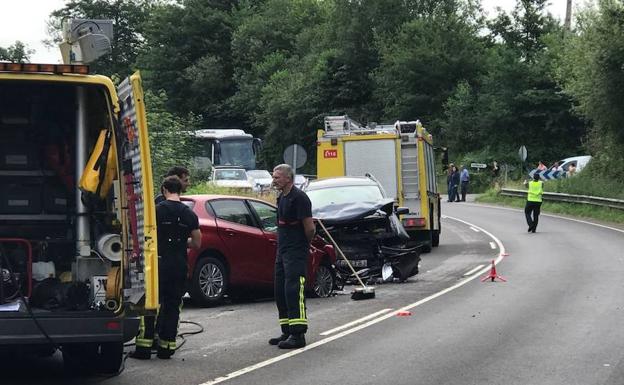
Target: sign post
pixel 522 154
pixel 296 156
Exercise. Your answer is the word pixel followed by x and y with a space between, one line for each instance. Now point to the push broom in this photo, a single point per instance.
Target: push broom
pixel 359 293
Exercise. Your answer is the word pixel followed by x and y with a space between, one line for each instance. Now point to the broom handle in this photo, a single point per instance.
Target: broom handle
pixel 341 254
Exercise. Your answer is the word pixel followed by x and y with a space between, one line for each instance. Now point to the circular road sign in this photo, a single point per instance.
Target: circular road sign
pixel 295 155
pixel 522 153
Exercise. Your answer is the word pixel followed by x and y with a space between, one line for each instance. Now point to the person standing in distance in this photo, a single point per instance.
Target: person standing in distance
pixel 185 178
pixel 464 179
pixel 534 202
pixel 178 228
pixel 295 230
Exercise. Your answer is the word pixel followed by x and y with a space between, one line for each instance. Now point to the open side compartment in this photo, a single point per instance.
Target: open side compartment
pixel 59 251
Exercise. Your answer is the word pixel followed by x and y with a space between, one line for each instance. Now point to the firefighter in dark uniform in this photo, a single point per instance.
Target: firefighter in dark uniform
pixel 182 173
pixel 295 231
pixel 178 228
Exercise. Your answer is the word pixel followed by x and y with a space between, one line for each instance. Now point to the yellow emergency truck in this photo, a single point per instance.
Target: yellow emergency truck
pixel 400 156
pixel 78 246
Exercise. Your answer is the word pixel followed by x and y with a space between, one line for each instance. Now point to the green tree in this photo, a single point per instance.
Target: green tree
pixel 515 100
pixel 591 71
pixel 169 145
pixel 17 53
pixel 423 63
pixel 187 53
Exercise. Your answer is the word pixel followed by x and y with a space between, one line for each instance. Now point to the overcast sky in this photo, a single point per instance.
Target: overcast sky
pixel 25 20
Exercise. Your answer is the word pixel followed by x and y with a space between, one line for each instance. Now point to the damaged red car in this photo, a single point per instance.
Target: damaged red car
pixel 237 255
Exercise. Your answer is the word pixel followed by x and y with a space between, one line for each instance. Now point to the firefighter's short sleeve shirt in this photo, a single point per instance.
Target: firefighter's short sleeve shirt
pixel 175 222
pixel 293 208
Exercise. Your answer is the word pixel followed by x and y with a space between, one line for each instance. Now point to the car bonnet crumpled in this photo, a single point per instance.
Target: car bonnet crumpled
pixel 336 214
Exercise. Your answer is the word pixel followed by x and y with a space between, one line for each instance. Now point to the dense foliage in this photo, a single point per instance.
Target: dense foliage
pixel 276 67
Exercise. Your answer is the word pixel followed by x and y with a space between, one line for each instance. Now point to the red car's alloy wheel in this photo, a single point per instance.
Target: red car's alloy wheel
pixel 324 282
pixel 209 283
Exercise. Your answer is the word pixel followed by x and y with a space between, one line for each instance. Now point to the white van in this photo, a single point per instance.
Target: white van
pixel 579 161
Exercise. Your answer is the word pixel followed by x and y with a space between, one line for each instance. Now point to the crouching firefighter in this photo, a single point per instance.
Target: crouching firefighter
pixel 178 228
pixel 295 231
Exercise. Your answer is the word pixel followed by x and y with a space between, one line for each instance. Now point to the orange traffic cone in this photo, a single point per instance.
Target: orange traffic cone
pixel 493 275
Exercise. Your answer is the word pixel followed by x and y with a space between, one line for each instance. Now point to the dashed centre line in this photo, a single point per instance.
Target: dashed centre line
pixel 357 321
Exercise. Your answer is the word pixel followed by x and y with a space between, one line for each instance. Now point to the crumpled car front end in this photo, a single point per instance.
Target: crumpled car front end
pixel 372 239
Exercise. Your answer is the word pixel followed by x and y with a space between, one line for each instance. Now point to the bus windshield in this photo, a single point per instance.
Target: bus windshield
pixel 237 152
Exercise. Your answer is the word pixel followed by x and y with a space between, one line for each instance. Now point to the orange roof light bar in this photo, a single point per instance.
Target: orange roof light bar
pixel 44 68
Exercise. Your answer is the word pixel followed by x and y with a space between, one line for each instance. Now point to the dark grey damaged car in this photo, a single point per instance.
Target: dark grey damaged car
pixel 364 224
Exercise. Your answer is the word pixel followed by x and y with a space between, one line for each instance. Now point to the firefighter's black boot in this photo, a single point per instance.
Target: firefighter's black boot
pixel 294 341
pixel 141 353
pixel 277 340
pixel 164 353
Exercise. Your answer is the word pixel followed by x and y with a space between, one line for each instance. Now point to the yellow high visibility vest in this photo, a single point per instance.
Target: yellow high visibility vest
pixel 536 189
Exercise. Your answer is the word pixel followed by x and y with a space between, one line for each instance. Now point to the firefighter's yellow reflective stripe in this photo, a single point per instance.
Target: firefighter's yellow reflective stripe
pixel 143 343
pixel 141 328
pixel 167 344
pixel 298 321
pixel 302 310
pixel 283 321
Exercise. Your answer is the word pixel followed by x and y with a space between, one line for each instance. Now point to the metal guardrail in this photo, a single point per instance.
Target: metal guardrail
pixel 560 197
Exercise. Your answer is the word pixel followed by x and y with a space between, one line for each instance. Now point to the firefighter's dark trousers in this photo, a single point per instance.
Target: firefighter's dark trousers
pixel 290 272
pixel 171 290
pixel 532 212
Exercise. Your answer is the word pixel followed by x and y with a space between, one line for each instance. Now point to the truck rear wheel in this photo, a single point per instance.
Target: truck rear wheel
pixel 435 238
pixel 111 357
pixel 80 358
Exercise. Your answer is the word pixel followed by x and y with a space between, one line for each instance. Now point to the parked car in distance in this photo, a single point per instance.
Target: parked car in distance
pixel 237 254
pixel 300 181
pixel 231 177
pixel 260 179
pixel 364 224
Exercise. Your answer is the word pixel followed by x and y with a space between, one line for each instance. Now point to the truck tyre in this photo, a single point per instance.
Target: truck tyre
pixel 209 283
pixel 80 358
pixel 435 238
pixel 111 357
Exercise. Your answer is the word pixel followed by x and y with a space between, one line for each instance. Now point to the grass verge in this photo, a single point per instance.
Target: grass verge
pixel 578 210
pixel 200 188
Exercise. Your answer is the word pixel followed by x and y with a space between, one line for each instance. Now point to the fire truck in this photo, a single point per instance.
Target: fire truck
pixel 78 261
pixel 400 156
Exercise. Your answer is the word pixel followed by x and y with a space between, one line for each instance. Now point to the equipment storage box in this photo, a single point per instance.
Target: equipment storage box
pixel 18 157
pixel 20 195
pixel 56 199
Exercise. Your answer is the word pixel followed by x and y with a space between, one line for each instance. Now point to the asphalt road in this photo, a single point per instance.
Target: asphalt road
pixel 555 321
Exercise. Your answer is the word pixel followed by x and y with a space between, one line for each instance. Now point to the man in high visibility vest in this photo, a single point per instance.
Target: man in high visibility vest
pixel 534 202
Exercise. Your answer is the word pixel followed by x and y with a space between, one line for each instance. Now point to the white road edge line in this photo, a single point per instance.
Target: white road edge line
pixel 357 321
pixel 547 215
pixel 324 341
pixel 492 245
pixel 474 229
pixel 473 270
